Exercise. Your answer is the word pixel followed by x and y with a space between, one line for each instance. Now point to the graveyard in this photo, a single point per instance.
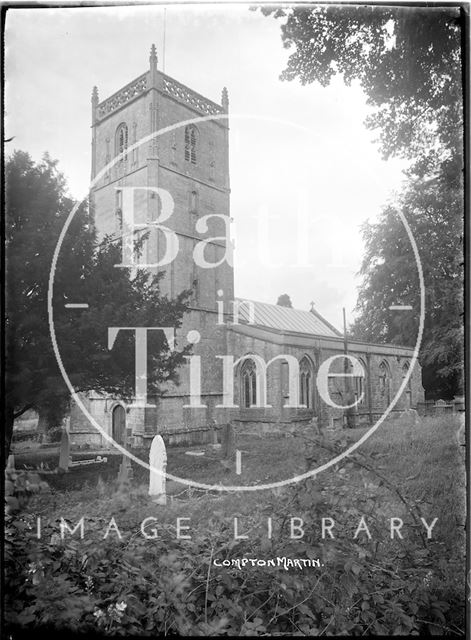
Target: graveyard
pixel 154 557
pixel 260 462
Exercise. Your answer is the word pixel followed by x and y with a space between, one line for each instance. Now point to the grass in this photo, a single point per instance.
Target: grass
pixel 426 463
pixel 423 461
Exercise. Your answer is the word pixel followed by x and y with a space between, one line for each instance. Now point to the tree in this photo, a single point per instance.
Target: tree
pixel 408 62
pixel 390 277
pixel 36 210
pixel 284 301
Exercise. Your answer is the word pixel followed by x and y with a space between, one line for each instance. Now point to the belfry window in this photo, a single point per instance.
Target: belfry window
pixel 191 141
pixel 248 379
pixel 121 140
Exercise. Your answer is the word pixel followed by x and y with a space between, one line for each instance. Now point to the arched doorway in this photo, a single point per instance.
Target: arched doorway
pixel 119 424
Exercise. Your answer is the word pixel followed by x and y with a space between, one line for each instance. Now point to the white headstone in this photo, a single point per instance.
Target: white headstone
pixel 158 461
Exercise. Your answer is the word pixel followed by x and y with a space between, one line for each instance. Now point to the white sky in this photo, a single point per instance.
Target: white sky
pixel 303 154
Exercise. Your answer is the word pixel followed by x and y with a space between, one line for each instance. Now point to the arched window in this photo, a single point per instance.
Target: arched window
pixel 121 142
pixel 248 383
pixel 359 385
pixel 305 382
pixel 384 378
pixel 191 141
pixel 405 372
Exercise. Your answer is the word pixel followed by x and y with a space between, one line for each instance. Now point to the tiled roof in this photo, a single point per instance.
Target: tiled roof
pixel 286 319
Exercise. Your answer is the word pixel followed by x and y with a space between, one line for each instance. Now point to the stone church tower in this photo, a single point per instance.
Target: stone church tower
pixel 189 161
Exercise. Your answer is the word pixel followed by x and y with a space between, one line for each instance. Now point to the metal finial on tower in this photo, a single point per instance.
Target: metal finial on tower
pixel 225 99
pixel 312 307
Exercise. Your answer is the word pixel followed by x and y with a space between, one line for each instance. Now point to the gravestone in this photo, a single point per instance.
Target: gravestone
pixel 64 451
pixel 158 461
pixel 228 445
pixel 213 444
pixel 11 462
pixel 125 474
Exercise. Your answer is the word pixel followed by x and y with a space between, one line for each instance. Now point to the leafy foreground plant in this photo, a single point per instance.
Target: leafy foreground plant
pixel 139 586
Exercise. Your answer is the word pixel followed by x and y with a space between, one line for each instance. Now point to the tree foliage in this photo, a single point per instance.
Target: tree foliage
pixel 408 62
pixel 37 208
pixel 284 301
pixel 390 277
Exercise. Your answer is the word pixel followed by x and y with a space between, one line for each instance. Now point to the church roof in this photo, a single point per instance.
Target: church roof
pixel 286 319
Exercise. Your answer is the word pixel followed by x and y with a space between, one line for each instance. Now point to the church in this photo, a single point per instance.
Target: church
pixel 156 137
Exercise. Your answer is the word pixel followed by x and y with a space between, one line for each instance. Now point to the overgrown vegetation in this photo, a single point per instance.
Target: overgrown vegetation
pixel 139 586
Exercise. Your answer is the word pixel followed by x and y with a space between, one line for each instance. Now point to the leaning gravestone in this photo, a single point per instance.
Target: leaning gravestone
pixel 64 451
pixel 158 461
pixel 11 462
pixel 228 446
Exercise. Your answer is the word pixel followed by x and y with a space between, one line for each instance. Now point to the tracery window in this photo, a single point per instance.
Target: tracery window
pixel 191 142
pixel 248 383
pixel 305 382
pixel 405 372
pixel 384 380
pixel 121 143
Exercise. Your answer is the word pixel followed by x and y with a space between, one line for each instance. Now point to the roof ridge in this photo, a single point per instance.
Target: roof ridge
pixel 278 316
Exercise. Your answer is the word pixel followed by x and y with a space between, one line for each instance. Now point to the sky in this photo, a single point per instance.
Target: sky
pixel 305 172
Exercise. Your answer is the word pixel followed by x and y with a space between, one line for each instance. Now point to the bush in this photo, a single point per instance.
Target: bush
pixel 54 434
